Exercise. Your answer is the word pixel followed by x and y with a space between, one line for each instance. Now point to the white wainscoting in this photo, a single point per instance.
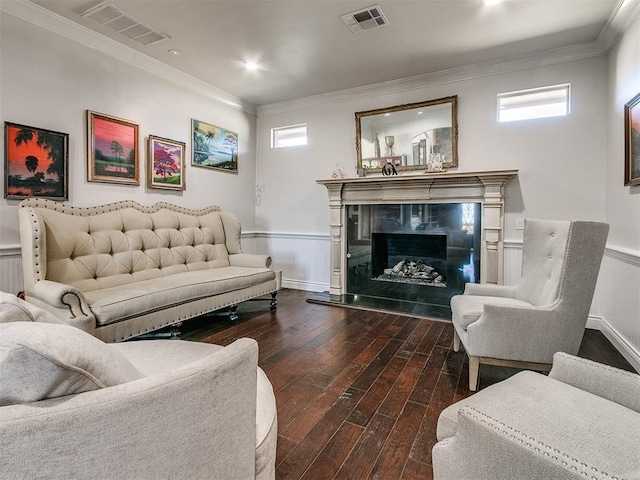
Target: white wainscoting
pixel 10 269
pixel 303 258
pixel 616 304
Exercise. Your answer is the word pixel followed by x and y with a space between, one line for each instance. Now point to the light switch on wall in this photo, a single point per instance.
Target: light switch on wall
pixel 519 223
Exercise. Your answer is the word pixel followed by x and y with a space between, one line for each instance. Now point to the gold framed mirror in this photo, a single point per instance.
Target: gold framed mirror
pixel 414 136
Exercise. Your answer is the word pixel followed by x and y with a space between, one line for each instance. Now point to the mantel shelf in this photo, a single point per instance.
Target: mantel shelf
pixel 427 178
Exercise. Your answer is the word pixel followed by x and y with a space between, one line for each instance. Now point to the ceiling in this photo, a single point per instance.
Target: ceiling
pixel 303 48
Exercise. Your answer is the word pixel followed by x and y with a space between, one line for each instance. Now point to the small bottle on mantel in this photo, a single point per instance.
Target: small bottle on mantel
pixel 376 147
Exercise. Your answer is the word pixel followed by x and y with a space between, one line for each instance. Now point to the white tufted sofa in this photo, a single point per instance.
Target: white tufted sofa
pixel 123 269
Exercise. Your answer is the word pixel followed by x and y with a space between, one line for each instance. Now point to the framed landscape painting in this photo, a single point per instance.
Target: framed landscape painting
pixel 165 164
pixel 112 149
pixel 36 162
pixel 632 141
pixel 213 147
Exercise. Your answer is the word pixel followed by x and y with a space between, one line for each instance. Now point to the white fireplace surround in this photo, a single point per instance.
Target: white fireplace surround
pixel 486 187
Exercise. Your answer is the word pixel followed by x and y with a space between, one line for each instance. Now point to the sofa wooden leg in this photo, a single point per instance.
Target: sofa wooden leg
pixel 456 341
pixel 274 302
pixel 474 369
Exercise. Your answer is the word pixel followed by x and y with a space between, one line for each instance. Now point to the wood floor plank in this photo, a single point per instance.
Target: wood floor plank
pixel 426 438
pixel 411 343
pixel 284 447
pixel 358 392
pixel 394 402
pixel 394 454
pixel 297 462
pixel 427 381
pixel 314 411
pixel 370 402
pixel 431 337
pixel 366 379
pixel 360 461
pixel 329 461
pixel 292 400
pixel 417 471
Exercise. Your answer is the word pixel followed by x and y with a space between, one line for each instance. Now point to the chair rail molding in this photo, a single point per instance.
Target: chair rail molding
pixel 486 188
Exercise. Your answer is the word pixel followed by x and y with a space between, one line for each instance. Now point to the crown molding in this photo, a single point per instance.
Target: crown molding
pixel 468 72
pixel 53 22
pixel 620 19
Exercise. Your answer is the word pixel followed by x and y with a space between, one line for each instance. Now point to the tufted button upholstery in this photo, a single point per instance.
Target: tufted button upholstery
pixel 124 242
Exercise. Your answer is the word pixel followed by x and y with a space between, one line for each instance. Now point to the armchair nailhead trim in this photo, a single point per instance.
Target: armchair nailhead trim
pixel 515 434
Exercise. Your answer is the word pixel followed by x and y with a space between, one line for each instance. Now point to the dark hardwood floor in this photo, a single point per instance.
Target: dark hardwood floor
pixel 358 392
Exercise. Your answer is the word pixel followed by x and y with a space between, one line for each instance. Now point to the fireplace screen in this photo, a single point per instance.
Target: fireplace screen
pixel 422 253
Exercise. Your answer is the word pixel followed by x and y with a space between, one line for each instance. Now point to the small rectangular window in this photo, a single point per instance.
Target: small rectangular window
pixel 534 103
pixel 289 136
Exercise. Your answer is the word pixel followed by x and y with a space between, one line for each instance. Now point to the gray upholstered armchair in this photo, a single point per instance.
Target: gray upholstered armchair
pixel 524 325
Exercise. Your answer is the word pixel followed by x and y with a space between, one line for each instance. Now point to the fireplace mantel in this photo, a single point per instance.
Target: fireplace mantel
pixel 485 187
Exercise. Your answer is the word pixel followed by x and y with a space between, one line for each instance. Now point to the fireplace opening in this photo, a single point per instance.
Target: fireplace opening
pixel 412 257
pixel 409 258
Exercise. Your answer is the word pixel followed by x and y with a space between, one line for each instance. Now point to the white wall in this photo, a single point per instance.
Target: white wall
pixel 49 80
pixel 561 161
pixel 618 293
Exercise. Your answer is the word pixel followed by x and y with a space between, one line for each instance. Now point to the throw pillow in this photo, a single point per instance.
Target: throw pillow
pixel 14 309
pixel 44 360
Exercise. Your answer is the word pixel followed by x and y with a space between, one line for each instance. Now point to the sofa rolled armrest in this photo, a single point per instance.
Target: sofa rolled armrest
pixel 604 381
pixel 250 260
pixel 65 302
pixel 490 290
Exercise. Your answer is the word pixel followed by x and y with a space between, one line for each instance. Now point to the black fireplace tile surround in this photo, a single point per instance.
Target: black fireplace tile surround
pixel 444 237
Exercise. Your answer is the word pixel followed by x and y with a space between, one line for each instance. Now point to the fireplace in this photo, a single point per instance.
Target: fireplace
pixel 416 253
pixel 435 204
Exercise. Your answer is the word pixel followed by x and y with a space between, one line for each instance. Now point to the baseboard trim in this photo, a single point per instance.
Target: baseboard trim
pixel 302 285
pixel 628 351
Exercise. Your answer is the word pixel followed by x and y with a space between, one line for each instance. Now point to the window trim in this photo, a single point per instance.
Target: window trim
pixel 563 87
pixel 275 143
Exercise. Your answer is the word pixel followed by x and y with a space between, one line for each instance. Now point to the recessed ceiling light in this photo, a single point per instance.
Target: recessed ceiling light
pixel 251 65
pixel 175 52
pixel 490 3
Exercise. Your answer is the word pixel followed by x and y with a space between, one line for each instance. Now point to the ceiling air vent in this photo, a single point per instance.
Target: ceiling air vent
pixel 110 17
pixel 366 19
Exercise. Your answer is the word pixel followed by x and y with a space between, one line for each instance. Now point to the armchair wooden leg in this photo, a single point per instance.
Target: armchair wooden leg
pixel 456 341
pixel 474 368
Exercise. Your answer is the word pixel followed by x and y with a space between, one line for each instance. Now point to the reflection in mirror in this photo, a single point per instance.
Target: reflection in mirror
pixel 416 136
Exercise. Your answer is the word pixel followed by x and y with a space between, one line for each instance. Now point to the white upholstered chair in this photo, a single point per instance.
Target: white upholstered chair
pixel 524 325
pixel 72 406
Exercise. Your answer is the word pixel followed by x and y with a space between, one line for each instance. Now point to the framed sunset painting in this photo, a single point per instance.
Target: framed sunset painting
pixel 112 149
pixel 36 162
pixel 632 141
pixel 165 163
pixel 213 147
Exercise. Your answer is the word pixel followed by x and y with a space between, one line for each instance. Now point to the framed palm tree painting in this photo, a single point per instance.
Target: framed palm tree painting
pixel 213 147
pixel 36 162
pixel 112 149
